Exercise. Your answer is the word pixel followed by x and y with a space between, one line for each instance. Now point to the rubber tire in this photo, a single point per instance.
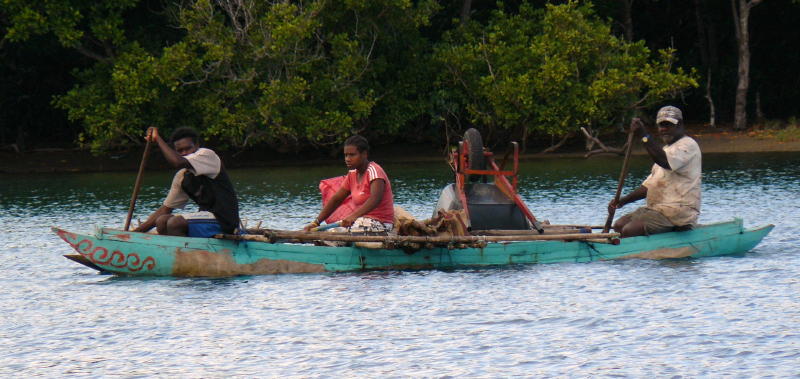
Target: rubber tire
pixel 476 160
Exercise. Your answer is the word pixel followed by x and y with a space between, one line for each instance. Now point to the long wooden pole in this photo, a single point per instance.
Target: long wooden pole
pixel 137 185
pixel 622 176
pixel 549 229
pixel 315 236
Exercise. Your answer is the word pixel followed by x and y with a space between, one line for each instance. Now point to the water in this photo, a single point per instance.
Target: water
pixel 727 316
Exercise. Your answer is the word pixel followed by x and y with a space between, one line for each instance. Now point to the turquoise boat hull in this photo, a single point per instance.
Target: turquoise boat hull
pixel 141 254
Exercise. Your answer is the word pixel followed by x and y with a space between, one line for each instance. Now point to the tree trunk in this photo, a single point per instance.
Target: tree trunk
pixel 712 117
pixel 524 139
pixel 466 9
pixel 759 111
pixel 627 19
pixel 702 39
pixel 704 43
pixel 741 18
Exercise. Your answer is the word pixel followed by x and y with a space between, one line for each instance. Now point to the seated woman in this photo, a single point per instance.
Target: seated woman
pixel 369 187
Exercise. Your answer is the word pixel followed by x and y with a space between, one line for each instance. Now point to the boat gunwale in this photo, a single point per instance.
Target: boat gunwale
pixel 358 258
pixel 201 243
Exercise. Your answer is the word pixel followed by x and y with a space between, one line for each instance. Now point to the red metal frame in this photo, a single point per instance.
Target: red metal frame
pixel 460 157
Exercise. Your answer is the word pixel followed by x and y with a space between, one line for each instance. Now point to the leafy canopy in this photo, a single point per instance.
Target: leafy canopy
pixel 551 70
pixel 247 72
pixel 294 73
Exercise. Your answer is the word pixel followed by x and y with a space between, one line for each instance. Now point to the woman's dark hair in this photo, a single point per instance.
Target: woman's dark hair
pixel 359 142
pixel 184 132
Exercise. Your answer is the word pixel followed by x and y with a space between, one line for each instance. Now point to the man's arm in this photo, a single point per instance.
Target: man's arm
pixel 654 148
pixel 172 156
pixel 657 153
pixel 151 220
pixel 636 195
pixel 376 188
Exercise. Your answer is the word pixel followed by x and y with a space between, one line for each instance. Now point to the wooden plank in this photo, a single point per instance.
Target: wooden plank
pixel 314 236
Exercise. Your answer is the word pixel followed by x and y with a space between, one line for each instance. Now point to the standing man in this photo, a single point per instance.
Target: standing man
pixel 201 178
pixel 673 187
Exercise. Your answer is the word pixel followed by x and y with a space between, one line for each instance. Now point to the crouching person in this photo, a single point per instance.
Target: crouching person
pixel 368 187
pixel 202 179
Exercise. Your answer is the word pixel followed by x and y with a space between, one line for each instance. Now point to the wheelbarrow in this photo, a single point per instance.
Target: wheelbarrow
pixel 490 206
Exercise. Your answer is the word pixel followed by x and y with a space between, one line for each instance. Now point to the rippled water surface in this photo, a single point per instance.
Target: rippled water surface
pixel 727 316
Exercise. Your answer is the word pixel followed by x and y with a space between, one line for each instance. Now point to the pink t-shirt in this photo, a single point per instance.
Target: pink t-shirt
pixel 360 191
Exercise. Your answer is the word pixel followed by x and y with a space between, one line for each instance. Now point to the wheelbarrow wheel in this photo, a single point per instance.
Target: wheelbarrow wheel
pixel 475 154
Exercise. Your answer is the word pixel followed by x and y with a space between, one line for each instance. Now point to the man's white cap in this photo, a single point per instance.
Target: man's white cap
pixel 669 113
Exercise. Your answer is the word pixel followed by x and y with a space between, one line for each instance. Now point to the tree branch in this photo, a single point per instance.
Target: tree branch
pixel 558 145
pixel 91 54
pixel 736 26
pixel 603 148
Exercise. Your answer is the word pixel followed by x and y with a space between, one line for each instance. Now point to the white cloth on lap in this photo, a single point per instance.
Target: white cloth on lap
pixel 202 215
pixel 365 225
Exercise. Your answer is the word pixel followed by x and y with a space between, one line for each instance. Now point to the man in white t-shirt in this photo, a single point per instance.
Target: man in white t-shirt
pixel 202 179
pixel 673 187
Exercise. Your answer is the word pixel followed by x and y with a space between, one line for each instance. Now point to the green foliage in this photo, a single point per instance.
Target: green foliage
pixel 75 23
pixel 790 133
pixel 551 71
pixel 284 73
pixel 115 101
pixel 294 73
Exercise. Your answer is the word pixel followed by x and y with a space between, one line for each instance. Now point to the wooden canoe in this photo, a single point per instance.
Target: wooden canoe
pixel 141 254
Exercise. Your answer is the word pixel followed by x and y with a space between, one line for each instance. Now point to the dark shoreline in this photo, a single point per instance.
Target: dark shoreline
pixel 73 160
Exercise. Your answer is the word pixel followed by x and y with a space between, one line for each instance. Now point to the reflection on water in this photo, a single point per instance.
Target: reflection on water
pixel 729 316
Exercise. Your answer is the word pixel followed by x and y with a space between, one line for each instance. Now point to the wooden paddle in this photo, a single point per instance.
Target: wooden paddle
pixel 137 185
pixel 622 176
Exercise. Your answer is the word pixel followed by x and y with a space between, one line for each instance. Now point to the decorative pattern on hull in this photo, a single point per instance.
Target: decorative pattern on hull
pixel 100 256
